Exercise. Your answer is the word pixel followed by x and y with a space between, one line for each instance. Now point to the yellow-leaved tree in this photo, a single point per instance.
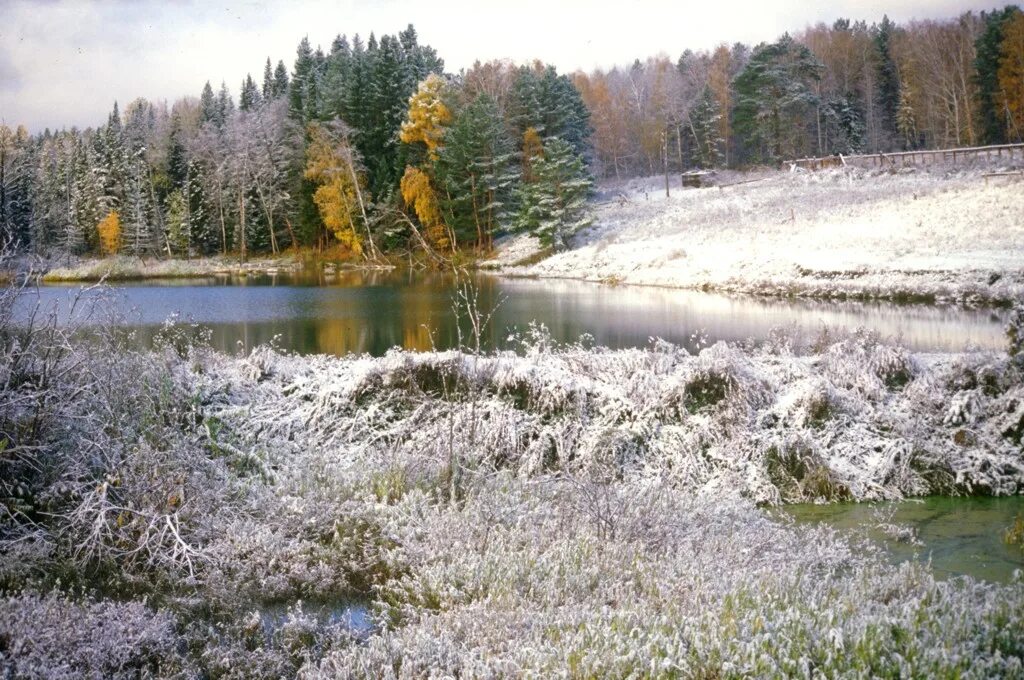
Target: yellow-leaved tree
pixel 1011 76
pixel 332 165
pixel 427 116
pixel 109 232
pixel 425 123
pixel 418 192
pixel 533 148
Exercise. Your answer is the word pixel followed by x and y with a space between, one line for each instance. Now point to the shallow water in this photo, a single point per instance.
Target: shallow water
pixel 354 616
pixel 959 536
pixel 373 312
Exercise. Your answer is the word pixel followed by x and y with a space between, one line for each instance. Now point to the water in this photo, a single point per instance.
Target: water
pixel 960 536
pixel 373 312
pixel 354 616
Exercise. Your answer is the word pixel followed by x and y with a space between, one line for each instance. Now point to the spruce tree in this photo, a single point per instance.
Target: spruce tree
pixel 550 104
pixel 888 77
pixel 207 105
pixel 706 130
pixel 280 80
pixel 477 169
pixel 554 206
pixel 225 105
pixel 268 81
pixel 250 97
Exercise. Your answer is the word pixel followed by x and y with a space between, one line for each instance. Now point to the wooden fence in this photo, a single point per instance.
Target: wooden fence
pixel 907 158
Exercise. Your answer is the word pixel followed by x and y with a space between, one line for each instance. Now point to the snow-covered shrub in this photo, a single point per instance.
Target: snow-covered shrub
pixel 50 636
pixel 1015 334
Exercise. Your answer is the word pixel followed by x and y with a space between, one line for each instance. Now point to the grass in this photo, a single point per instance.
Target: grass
pixel 1015 534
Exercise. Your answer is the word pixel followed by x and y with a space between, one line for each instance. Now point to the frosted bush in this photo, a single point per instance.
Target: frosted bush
pixel 54 637
pixel 569 511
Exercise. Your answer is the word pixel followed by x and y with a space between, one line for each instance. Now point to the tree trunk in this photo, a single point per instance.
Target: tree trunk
pixel 664 157
pixel 241 225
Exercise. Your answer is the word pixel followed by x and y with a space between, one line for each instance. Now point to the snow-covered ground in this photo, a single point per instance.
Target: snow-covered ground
pixel 565 512
pixel 939 233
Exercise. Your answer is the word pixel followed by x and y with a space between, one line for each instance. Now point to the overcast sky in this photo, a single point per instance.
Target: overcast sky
pixel 65 63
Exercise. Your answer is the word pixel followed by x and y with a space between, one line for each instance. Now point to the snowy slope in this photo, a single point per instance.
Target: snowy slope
pixel 832 233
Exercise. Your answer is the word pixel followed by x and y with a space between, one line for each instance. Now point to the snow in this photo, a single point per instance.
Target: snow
pixel 564 511
pixel 840 232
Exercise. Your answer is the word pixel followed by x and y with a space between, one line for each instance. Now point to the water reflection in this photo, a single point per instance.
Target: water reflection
pixel 372 312
pixel 958 536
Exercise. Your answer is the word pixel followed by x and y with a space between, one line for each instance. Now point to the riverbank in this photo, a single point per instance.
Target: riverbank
pixel 127 268
pixel 567 510
pixel 937 234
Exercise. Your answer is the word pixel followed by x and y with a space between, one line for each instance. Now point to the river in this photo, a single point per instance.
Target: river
pixel 373 312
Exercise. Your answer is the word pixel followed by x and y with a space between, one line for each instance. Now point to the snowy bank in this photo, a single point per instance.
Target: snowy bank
pixel 566 511
pixel 125 268
pixel 928 235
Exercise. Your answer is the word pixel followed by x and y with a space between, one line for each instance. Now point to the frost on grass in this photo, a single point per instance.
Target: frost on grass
pixel 565 510
pixel 937 234
pixel 859 419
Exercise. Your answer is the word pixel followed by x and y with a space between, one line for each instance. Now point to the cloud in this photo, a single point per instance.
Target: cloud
pixel 10 77
pixel 69 61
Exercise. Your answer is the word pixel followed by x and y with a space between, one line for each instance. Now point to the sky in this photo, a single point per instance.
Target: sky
pixel 65 63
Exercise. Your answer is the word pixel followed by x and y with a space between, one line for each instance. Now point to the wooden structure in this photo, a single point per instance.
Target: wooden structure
pixel 911 158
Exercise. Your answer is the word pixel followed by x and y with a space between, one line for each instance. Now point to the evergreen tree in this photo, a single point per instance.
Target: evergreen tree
pixel 550 104
pixel 554 205
pixel 225 105
pixel 208 105
pixel 268 81
pixel 906 122
pixel 986 64
pixel 888 77
pixel 776 100
pixel 281 83
pixel 249 98
pixel 179 231
pixel 705 126
pixel 477 169
pixel 844 125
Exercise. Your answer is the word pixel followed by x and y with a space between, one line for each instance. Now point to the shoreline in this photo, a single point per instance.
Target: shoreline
pixel 932 237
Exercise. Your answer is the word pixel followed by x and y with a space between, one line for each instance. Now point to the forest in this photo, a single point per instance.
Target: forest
pixel 370 148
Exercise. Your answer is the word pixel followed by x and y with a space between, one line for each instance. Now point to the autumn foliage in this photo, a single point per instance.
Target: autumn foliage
pixel 427 116
pixel 109 231
pixel 328 160
pixel 419 193
pixel 1011 75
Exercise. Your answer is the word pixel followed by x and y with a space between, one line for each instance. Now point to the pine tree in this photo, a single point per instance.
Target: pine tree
pixel 225 105
pixel 554 205
pixel 550 104
pixel 280 87
pixel 776 100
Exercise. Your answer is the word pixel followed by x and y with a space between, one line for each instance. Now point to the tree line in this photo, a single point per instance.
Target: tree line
pixel 846 88
pixel 371 148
